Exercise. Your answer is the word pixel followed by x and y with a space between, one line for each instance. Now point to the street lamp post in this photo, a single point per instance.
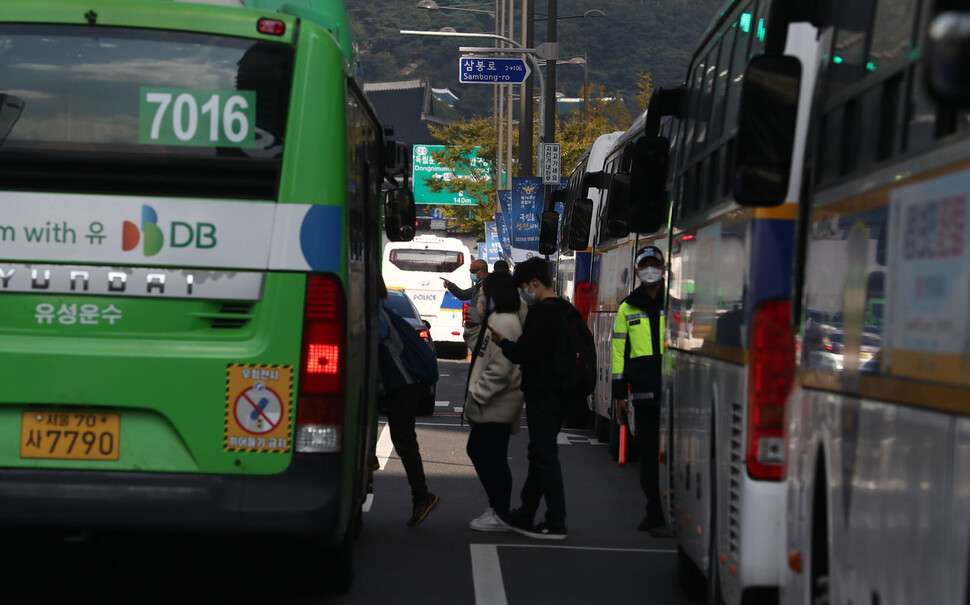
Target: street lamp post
pixel 497 104
pixel 580 61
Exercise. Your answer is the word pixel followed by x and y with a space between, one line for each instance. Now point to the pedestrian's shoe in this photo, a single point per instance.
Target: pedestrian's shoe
pixel 488 521
pixel 517 522
pixel 549 531
pixel 422 506
pixel 660 531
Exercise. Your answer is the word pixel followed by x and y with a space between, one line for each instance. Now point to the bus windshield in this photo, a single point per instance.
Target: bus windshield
pixel 122 97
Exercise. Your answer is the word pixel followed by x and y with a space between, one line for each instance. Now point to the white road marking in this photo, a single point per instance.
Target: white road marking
pixel 368 501
pixel 384 446
pixel 441 404
pixel 487 575
pixel 459 409
pixel 487 569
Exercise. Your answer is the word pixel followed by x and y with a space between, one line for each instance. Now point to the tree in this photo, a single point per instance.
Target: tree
pixel 468 143
pixel 605 113
pixel 644 88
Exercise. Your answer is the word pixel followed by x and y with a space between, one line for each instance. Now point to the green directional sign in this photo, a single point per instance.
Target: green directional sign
pixel 423 167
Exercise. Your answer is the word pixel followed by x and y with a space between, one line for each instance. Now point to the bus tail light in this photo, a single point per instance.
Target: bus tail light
pixel 464 314
pixel 769 382
pixel 583 299
pixel 320 402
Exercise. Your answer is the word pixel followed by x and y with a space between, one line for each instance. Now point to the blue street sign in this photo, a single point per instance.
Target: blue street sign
pixel 492 70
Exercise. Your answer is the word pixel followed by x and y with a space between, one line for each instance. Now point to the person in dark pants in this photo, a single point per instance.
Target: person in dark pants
pixel 638 337
pixel 544 407
pixel 399 396
pixel 493 404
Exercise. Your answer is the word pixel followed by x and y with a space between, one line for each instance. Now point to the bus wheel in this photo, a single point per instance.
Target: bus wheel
pixel 689 578
pixel 601 428
pixel 820 590
pixel 713 596
pixel 614 439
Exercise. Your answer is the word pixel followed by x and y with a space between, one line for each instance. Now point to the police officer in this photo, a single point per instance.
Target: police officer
pixel 637 352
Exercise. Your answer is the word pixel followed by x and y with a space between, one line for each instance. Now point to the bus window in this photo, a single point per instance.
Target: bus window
pixel 438 261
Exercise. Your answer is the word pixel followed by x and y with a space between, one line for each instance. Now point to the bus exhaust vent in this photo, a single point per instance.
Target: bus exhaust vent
pixel 232 316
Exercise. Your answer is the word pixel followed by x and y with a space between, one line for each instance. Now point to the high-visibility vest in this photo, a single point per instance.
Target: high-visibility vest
pixel 633 325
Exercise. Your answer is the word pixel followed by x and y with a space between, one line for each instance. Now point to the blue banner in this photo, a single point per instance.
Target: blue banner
pixel 503 236
pixel 492 250
pixel 528 194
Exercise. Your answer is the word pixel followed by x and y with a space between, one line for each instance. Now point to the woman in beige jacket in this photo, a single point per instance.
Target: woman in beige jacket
pixel 493 404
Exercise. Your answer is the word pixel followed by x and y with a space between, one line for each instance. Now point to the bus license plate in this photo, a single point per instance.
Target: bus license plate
pixel 65 435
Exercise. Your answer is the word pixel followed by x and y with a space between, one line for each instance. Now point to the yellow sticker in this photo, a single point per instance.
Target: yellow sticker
pixel 258 408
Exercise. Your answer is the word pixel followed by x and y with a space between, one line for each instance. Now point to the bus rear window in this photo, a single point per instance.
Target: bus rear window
pixel 107 109
pixel 438 261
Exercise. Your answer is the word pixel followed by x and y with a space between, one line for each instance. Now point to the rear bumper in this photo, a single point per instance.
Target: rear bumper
pixel 304 500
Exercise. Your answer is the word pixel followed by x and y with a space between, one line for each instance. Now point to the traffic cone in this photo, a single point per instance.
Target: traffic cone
pixel 622 457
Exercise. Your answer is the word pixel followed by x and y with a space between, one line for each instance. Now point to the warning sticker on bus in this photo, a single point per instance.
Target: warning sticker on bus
pixel 258 408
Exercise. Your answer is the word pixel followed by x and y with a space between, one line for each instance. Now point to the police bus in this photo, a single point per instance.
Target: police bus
pixel 574 265
pixel 878 423
pixel 729 286
pixel 188 253
pixel 418 267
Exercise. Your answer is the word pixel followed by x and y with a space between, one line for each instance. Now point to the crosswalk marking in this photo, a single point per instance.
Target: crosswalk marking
pixel 487 575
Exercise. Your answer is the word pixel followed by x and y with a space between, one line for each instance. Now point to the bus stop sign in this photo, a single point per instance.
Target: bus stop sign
pixel 492 70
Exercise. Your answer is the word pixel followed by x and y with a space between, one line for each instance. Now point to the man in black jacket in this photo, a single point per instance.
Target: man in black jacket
pixel 544 407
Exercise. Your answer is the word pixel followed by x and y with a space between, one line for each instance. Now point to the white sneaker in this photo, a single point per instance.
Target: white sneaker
pixel 487 522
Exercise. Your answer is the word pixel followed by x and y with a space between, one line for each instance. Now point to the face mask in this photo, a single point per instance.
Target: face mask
pixel 650 275
pixel 474 277
pixel 527 297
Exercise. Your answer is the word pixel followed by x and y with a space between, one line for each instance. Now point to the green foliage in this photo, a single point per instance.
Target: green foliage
pixel 644 88
pixel 467 140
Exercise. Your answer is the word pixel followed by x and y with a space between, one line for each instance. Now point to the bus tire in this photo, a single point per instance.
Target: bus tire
pixel 819 559
pixel 338 571
pixel 614 440
pixel 601 427
pixel 713 593
pixel 689 578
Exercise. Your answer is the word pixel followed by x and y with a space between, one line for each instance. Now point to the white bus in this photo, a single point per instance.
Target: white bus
pixel 575 253
pixel 729 287
pixel 878 423
pixel 417 267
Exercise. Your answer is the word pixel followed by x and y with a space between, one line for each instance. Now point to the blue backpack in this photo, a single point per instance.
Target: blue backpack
pixel 417 356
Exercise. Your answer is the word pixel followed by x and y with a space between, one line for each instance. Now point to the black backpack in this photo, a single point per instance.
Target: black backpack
pixel 417 357
pixel 574 361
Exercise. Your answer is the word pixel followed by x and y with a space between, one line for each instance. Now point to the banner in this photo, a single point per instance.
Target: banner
pixel 503 236
pixel 492 250
pixel 527 200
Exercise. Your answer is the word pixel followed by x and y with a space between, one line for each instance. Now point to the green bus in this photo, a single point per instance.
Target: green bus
pixel 190 237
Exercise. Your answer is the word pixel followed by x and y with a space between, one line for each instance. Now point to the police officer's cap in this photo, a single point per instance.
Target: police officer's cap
pixel 649 252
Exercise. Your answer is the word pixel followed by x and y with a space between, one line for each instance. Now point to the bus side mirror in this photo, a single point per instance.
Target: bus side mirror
pixel 582 217
pixel 617 211
pixel 947 58
pixel 648 184
pixel 593 180
pixel 399 214
pixel 549 232
pixel 766 130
